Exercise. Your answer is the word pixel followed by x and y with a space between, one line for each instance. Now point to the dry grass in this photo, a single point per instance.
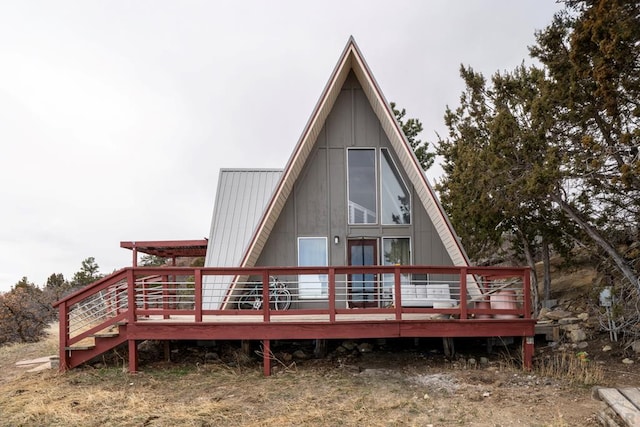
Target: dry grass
pixel 313 394
pixel 574 368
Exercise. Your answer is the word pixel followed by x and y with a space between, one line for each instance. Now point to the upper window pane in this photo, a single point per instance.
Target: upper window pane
pixel 361 165
pixel 396 207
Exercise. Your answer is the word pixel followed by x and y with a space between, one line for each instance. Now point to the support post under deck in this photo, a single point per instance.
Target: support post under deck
pixel 133 356
pixel 266 357
pixel 527 352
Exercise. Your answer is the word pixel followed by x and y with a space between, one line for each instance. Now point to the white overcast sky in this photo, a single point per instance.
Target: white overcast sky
pixel 115 116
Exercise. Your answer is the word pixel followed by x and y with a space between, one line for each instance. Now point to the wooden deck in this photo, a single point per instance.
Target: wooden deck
pixel 173 310
pixel 621 406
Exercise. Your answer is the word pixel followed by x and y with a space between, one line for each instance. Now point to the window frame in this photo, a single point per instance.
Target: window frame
pixel 376 186
pixel 320 279
pixel 404 183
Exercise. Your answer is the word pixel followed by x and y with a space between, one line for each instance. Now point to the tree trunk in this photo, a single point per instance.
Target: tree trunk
pixel 619 261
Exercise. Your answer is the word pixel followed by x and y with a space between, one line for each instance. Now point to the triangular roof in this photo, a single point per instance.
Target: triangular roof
pixel 352 59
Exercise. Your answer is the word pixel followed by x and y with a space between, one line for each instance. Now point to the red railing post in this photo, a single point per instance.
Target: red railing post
pixel 265 296
pixel 332 295
pixel 198 294
pixel 397 286
pixel 165 296
pixel 463 293
pixel 63 325
pixel 526 285
pixel 131 296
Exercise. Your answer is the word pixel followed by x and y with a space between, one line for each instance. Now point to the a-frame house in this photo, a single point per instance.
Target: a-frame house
pixel 347 241
pixel 352 193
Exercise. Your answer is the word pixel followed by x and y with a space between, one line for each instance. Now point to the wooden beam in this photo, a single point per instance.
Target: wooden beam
pixel 133 356
pixel 266 357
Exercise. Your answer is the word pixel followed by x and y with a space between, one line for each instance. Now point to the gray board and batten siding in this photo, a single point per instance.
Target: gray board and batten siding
pixel 317 206
pixel 310 198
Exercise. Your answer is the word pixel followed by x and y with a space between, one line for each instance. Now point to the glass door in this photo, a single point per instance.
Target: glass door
pixel 363 288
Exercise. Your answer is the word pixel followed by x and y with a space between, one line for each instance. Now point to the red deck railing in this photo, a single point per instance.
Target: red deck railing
pixel 333 295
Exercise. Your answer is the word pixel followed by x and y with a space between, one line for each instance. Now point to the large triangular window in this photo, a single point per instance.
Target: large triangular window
pixel 394 196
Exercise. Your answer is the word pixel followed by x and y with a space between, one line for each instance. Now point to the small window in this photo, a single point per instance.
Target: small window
pixel 361 165
pixel 312 252
pixel 396 206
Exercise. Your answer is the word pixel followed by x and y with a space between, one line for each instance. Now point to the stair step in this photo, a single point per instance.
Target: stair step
pixel 80 347
pixel 105 335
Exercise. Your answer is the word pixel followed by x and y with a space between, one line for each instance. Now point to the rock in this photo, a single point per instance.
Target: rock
pixel 543 313
pixel 606 348
pixel 583 316
pixel 568 320
pixel 557 314
pixel 583 345
pixel 299 354
pixel 486 394
pixel 365 347
pixel 349 345
pixel 341 350
pixel 484 361
pixel 627 361
pixel 472 362
pixel 211 356
pixel 577 335
pixel 286 357
pixel 635 346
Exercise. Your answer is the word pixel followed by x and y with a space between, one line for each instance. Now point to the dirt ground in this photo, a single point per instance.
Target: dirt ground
pixel 389 383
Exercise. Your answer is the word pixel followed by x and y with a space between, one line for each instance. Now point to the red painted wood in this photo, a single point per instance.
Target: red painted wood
pixel 265 295
pixel 133 356
pixel 279 325
pixel 131 296
pixel 397 290
pixel 78 357
pixel 266 357
pixel 463 294
pixel 332 295
pixel 198 294
pixel 64 336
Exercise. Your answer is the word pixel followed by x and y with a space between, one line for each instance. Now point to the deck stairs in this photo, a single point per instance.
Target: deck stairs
pixel 96 320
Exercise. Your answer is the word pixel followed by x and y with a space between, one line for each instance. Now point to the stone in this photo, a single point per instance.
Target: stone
pixel 365 347
pixel 635 346
pixel 627 361
pixel 583 316
pixel 286 357
pixel 341 350
pixel 299 354
pixel 583 345
pixel 349 345
pixel 558 314
pixel 543 313
pixel 568 320
pixel 472 362
pixel 484 361
pixel 607 348
pixel 211 356
pixel 577 335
